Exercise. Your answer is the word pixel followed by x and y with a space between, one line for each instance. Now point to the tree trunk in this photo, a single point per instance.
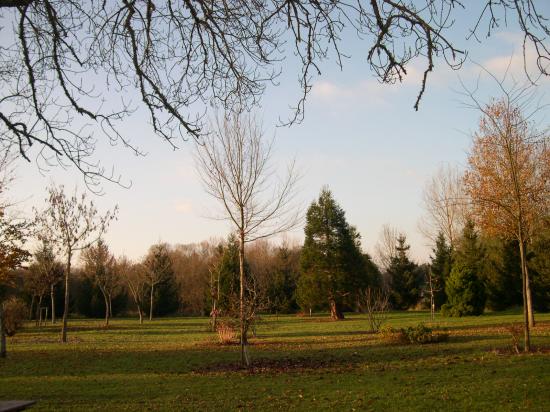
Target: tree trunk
pixel 52 297
pixel 110 306
pixel 105 298
pixel 527 346
pixel 3 348
pixel 39 311
pixel 140 311
pixel 66 303
pixel 335 311
pixel 530 311
pixel 31 311
pixel 244 357
pixel 151 302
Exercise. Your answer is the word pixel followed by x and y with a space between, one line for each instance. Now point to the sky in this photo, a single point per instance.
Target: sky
pixel 361 138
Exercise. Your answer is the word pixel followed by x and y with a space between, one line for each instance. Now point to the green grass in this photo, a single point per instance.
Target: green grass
pixel 302 364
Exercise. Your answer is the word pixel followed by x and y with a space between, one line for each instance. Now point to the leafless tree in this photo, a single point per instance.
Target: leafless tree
pixel 376 302
pixel 71 223
pixel 385 249
pixel 445 203
pixel 135 276
pixel 180 56
pixel 234 165
pixel 158 264
pixel 100 267
pixel 508 177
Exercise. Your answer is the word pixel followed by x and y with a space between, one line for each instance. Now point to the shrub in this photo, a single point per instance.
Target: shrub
pixel 419 334
pixel 226 333
pixel 14 314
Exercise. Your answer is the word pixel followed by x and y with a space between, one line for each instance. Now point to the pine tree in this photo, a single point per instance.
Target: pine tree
pixel 282 289
pixel 464 288
pixel 441 262
pixel 332 266
pixel 405 283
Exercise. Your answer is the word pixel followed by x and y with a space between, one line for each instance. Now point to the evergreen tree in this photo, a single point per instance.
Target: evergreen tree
pixel 332 266
pixel 405 282
pixel 282 289
pixel 441 262
pixel 539 264
pixel 464 288
pixel 228 271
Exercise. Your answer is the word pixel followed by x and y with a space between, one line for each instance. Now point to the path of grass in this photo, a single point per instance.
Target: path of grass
pixel 302 364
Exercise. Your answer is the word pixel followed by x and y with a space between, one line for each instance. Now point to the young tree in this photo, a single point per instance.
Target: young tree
pixel 464 287
pixel 100 267
pixel 331 261
pixel 71 223
pixel 440 268
pixel 49 270
pixel 508 176
pixel 404 277
pixel 135 276
pixel 234 165
pixel 159 271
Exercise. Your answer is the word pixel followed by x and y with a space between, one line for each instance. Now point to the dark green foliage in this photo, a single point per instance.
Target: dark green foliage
pixel 501 274
pixel 405 280
pixel 229 274
pixel 281 292
pixel 539 266
pixel 332 266
pixel 465 293
pixel 464 288
pixel 441 262
pixel 87 299
pixel 419 334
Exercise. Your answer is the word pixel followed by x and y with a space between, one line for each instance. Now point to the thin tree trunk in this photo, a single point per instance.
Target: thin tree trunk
pixel 527 346
pixel 106 308
pixel 530 311
pixel 66 303
pixel 140 311
pixel 151 302
pixel 110 306
pixel 52 297
pixel 244 357
pixel 3 347
pixel 31 311
pixel 39 311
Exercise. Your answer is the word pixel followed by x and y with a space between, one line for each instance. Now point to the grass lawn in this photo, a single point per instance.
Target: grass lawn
pixel 301 364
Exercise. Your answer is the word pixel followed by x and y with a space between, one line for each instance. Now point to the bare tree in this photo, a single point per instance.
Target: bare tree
pixel 158 264
pixel 376 302
pixel 71 224
pixel 385 251
pixel 135 276
pixel 100 267
pixel 509 173
pixel 181 56
pixel 445 203
pixel 234 165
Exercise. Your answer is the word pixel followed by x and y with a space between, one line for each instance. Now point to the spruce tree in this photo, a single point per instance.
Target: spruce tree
pixel 405 282
pixel 441 262
pixel 332 266
pixel 465 290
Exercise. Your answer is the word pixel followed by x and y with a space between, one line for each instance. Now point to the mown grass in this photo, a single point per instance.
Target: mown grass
pixel 300 364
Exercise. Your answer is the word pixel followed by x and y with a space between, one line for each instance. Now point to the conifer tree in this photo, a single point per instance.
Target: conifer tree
pixel 332 266
pixel 441 262
pixel 464 288
pixel 405 285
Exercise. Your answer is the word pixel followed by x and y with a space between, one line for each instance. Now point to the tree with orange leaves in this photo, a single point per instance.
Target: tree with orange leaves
pixel 508 179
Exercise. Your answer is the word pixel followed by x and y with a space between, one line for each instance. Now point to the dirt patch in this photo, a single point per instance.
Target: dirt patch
pixel 508 351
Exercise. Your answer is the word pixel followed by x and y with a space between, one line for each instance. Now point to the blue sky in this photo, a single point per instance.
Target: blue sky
pixel 361 138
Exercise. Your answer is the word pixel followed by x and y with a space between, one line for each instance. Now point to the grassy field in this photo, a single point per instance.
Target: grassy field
pixel 300 364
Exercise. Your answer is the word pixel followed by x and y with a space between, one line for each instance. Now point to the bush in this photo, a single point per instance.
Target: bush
pixel 419 334
pixel 226 333
pixel 14 314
